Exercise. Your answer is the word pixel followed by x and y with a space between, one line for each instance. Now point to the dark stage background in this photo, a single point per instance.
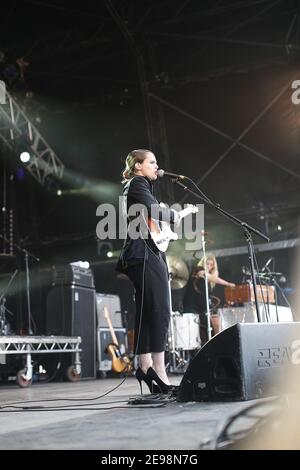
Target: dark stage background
pixel 206 85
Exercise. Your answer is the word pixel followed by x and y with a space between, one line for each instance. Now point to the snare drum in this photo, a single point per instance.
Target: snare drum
pixel 185 331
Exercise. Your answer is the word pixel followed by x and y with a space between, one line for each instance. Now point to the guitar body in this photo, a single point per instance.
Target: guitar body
pixel 119 363
pixel 161 232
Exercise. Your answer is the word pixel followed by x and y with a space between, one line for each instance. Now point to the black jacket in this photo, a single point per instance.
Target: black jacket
pixel 139 190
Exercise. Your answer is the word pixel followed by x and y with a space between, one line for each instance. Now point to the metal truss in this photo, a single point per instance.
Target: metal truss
pixel 28 345
pixel 39 344
pixel 15 125
pixel 259 248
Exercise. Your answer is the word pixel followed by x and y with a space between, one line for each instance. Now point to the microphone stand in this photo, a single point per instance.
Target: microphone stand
pixel 271 278
pixel 247 229
pixel 208 327
pixel 26 257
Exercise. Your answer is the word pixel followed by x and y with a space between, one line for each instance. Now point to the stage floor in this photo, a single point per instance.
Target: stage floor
pixel 94 421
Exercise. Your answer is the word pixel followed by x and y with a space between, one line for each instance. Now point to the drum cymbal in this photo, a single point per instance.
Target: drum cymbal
pixel 179 272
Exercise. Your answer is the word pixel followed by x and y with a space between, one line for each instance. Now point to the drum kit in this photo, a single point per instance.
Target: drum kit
pixel 184 333
pixel 184 330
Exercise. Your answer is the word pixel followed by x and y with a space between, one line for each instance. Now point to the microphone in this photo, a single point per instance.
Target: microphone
pixel 267 264
pixel 161 173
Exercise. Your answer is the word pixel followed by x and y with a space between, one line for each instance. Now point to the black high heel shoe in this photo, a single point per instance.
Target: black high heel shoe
pixel 141 376
pixel 164 388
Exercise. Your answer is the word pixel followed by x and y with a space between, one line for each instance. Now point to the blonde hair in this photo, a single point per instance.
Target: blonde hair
pixel 135 156
pixel 214 271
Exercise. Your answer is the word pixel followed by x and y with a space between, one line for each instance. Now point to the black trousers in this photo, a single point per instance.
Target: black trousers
pixel 150 280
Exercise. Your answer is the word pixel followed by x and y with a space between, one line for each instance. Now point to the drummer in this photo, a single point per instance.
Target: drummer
pixel 194 300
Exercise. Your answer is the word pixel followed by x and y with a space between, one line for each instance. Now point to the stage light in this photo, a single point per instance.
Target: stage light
pixel 104 249
pixel 20 174
pixel 25 157
pixel 59 192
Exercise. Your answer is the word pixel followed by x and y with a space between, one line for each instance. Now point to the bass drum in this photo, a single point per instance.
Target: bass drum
pixel 184 331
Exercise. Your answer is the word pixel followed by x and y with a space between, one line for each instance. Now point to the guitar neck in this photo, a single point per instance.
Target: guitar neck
pixel 188 210
pixel 111 329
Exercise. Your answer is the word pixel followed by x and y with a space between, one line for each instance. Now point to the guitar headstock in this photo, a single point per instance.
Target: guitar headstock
pixel 192 208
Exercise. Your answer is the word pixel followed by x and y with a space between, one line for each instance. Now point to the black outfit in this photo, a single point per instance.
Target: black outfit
pixel 146 267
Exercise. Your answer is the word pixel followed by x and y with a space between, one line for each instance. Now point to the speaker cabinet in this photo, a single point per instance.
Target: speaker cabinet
pixel 243 362
pixel 71 312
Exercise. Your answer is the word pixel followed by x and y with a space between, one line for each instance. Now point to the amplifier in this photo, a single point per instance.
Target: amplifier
pixel 113 305
pixel 245 293
pixel 73 275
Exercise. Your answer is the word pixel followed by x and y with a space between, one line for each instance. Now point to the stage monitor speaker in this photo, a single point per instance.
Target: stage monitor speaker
pixel 71 312
pixel 243 362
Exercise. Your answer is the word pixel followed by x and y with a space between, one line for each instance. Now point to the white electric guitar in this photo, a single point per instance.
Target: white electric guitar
pixel 161 232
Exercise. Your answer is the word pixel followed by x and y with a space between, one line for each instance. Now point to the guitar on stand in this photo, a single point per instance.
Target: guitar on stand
pixel 120 362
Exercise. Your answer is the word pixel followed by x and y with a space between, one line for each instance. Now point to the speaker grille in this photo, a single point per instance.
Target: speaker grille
pixel 113 305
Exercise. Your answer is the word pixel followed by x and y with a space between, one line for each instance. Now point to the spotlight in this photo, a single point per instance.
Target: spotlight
pixel 59 192
pixel 109 254
pixel 103 248
pixel 25 157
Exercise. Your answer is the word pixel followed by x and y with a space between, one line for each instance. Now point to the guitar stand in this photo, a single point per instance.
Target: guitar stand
pixel 177 364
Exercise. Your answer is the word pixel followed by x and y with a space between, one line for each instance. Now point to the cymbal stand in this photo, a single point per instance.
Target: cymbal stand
pixel 208 327
pixel 173 353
